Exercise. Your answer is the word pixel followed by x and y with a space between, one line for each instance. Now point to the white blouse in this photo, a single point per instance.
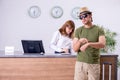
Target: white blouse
pixel 60 41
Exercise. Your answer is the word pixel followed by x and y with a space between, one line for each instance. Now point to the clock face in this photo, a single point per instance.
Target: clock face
pixel 34 11
pixel 56 12
pixel 75 12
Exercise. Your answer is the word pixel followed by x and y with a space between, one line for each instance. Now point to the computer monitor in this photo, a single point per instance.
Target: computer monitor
pixel 33 46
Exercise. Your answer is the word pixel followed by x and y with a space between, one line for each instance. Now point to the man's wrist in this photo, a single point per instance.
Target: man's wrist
pixel 79 41
pixel 88 44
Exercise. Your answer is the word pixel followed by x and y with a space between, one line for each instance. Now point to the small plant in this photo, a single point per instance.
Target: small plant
pixel 110 40
pixel 118 63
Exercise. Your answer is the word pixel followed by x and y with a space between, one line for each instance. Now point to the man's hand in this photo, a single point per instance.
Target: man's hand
pixel 83 40
pixel 77 43
pixel 83 48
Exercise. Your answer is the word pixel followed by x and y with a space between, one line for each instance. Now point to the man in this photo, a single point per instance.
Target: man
pixel 87 42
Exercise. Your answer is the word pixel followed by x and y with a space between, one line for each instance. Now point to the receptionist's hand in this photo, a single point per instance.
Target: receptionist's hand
pixel 66 50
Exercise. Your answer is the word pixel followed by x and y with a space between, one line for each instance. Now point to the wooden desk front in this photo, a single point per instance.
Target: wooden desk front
pixel 43 68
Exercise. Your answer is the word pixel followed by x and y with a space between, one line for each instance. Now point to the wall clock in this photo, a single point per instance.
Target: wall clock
pixel 56 12
pixel 75 12
pixel 34 11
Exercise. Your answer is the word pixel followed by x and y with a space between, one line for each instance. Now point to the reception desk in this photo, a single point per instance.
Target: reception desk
pixel 44 67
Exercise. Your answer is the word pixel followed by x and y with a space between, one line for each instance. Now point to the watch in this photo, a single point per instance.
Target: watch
pixel 56 12
pixel 75 12
pixel 34 11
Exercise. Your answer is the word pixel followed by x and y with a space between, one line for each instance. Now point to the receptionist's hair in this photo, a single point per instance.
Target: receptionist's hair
pixel 66 24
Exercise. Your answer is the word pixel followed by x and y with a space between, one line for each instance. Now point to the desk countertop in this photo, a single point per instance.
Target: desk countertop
pixel 46 55
pixel 34 55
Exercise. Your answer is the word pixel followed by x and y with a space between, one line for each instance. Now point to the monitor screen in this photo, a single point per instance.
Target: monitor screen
pixel 32 46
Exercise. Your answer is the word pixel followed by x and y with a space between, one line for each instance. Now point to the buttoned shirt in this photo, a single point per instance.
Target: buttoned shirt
pixel 60 41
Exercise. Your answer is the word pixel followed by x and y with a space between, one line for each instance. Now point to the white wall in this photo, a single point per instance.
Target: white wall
pixel 15 23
